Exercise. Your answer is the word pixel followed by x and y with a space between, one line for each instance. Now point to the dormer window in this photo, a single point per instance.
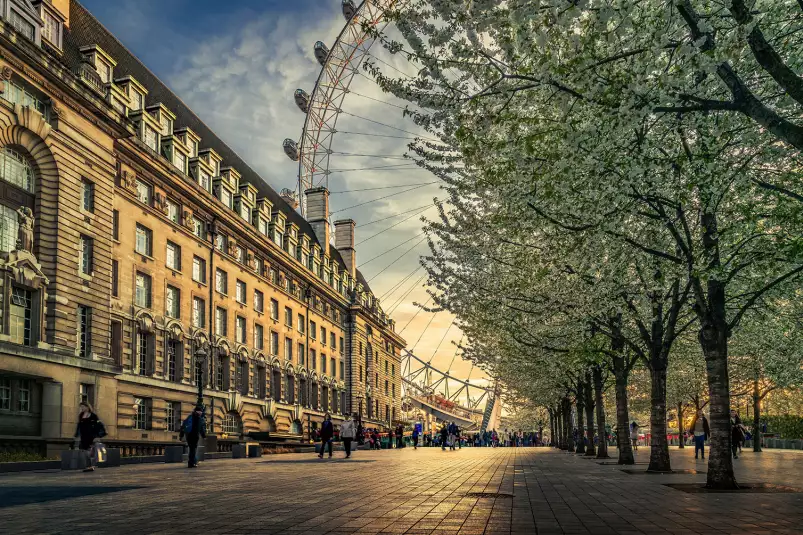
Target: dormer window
pixel 137 100
pixel 180 161
pixel 193 149
pixel 52 29
pixel 151 138
pixel 167 125
pixel 204 180
pixel 104 64
pixel 225 197
pixel 22 24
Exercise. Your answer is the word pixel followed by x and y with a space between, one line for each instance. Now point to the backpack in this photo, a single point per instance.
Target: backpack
pixel 186 426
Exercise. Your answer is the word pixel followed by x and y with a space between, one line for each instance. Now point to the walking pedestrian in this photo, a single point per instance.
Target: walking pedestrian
pixel 452 435
pixel 700 432
pixel 737 432
pixel 415 436
pixel 193 429
pixel 400 436
pixel 634 427
pixel 444 436
pixel 327 432
pixel 88 431
pixel 347 432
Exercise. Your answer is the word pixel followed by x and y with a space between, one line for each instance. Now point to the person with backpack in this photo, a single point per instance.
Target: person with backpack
pixel 327 432
pixel 88 431
pixel 347 432
pixel 193 428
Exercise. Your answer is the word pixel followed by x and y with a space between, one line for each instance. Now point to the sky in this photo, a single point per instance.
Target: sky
pixel 236 64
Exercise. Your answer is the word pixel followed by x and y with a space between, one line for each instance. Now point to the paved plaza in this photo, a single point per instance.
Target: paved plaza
pixel 472 491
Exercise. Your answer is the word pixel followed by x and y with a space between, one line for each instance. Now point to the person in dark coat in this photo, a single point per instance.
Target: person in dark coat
pixel 737 432
pixel 327 432
pixel 444 436
pixel 400 436
pixel 193 428
pixel 88 430
pixel 415 436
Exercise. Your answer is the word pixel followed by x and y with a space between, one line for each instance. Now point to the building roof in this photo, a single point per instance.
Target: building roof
pixel 86 30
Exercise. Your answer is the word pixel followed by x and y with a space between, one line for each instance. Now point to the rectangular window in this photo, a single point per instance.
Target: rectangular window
pixel 21 25
pixel 274 309
pixel 116 225
pixel 86 392
pixel 173 256
pixel 88 195
pixel 332 340
pixel 173 211
pixel 142 364
pixel 313 359
pixel 151 138
pixel 20 316
pixel 288 317
pixel 144 192
pixel 342 345
pixel 115 278
pixel 393 370
pixel 85 260
pixel 173 302
pixel 240 292
pixel 332 367
pixel 386 387
pixel 24 395
pixel 198 313
pixel 323 363
pixel 142 414
pixel 117 342
pixel 52 29
pixel 204 180
pixel 240 329
pixel 274 343
pixel 323 335
pixel 259 301
pixel 239 254
pixel 220 322
pixel 5 393
pixel 84 331
pixel 220 243
pixel 143 291
pixel 301 354
pixel 259 336
pixel 173 360
pixel 173 416
pixel 199 270
pixel 221 281
pixel 144 241
pixel 180 161
pixel 313 330
pixel 167 125
pixel 393 390
pixel 242 377
pixel 198 228
pixel 302 323
pixel 342 370
pixel 288 349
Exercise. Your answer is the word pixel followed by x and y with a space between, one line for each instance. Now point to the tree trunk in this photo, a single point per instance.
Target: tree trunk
pixel 681 442
pixel 659 446
pixel 622 415
pixel 551 428
pixel 581 443
pixel 756 417
pixel 602 449
pixel 589 405
pixel 559 428
pixel 713 336
pixel 568 443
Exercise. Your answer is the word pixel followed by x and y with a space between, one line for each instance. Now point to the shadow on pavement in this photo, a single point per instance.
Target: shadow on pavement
pixel 23 495
pixel 319 461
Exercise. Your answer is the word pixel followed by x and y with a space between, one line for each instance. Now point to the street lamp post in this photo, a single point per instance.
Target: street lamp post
pixel 200 361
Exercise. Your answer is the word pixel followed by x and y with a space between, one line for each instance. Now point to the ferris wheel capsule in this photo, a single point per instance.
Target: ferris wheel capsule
pixel 290 149
pixel 349 10
pixel 321 52
pixel 302 100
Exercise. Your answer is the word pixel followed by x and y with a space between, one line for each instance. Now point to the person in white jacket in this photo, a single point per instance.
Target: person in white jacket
pixel 347 433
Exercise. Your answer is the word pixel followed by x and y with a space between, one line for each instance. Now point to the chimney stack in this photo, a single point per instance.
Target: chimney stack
pixel 318 215
pixel 344 242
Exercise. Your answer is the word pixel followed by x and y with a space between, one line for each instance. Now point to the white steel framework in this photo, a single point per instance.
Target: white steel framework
pixel 325 102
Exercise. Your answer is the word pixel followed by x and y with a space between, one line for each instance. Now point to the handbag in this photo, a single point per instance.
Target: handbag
pixel 98 453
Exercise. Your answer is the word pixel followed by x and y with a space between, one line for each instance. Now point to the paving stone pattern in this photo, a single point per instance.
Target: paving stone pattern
pixel 402 491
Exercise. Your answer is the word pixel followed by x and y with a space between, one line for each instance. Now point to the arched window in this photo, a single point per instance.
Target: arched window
pixel 16 169
pixel 232 424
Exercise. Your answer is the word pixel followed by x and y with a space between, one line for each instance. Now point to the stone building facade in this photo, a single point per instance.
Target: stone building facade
pixel 139 256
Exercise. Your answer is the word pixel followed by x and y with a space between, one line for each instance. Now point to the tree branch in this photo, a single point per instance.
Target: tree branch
pixel 757 295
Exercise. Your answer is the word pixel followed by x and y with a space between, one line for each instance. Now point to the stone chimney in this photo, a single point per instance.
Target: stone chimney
pixel 318 215
pixel 344 242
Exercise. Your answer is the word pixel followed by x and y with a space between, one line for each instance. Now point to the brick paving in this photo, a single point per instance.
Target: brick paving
pixel 426 491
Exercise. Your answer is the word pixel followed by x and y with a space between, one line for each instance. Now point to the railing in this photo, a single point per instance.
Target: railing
pixel 87 74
